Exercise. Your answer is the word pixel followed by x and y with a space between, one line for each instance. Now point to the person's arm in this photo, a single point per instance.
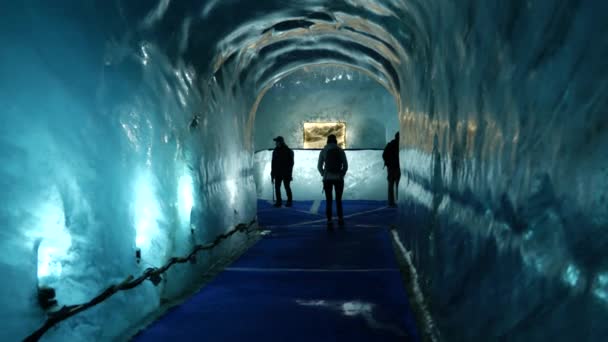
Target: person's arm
pixel 320 162
pixel 291 160
pixel 291 163
pixel 344 163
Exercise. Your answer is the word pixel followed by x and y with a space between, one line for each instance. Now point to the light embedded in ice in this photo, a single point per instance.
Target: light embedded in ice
pixel 148 215
pixel 186 196
pixel 48 263
pixel 55 238
pixel 231 186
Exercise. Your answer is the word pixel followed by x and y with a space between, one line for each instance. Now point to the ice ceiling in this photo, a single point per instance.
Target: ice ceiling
pixel 323 94
pixel 127 123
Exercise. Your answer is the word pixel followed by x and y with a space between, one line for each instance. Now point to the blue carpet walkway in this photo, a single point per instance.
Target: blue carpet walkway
pixel 302 283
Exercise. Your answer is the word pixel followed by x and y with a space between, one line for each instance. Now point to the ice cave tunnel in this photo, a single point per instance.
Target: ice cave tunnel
pixel 136 146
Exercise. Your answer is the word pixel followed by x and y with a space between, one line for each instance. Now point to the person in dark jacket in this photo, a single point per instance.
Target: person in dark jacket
pixel 281 170
pixel 391 161
pixel 332 166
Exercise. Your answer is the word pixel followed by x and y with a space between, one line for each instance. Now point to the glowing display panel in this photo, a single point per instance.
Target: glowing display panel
pixel 315 133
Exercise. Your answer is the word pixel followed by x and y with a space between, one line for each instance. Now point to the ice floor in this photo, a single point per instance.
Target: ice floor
pixel 302 283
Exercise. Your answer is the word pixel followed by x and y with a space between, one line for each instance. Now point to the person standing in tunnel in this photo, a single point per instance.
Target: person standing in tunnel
pixel 281 170
pixel 391 161
pixel 332 166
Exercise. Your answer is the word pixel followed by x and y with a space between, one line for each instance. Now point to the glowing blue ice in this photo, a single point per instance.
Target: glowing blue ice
pixel 125 123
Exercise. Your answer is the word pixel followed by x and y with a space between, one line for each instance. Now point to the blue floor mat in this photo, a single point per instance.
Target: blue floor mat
pixel 315 247
pixel 375 212
pixel 302 283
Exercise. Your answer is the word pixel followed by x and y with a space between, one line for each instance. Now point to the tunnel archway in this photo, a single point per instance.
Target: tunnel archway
pixel 502 122
pixel 319 94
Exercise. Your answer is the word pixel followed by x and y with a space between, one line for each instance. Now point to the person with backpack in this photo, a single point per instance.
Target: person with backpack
pixel 332 166
pixel 281 170
pixel 391 161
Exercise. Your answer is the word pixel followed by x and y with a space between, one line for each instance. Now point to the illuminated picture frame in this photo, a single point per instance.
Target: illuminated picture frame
pixel 315 134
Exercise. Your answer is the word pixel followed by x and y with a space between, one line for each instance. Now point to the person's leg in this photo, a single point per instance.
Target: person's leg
pixel 327 187
pixel 287 184
pixel 391 192
pixel 391 187
pixel 339 190
pixel 397 179
pixel 277 190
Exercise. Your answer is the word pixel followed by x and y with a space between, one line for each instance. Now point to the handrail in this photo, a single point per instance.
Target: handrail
pixel 151 273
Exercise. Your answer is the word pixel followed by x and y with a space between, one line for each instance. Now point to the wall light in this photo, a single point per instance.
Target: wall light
pixel 231 185
pixel 185 190
pixel 49 264
pixel 147 214
pixel 54 240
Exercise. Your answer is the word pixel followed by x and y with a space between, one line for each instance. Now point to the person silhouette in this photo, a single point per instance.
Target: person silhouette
pixel 393 170
pixel 281 170
pixel 332 166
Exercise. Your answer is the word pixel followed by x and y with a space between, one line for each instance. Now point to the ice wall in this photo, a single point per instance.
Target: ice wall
pixel 504 146
pixel 365 179
pixel 327 94
pixel 108 143
pixel 502 113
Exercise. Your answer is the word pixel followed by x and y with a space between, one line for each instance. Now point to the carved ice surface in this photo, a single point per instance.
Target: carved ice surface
pixel 126 124
pixel 366 108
